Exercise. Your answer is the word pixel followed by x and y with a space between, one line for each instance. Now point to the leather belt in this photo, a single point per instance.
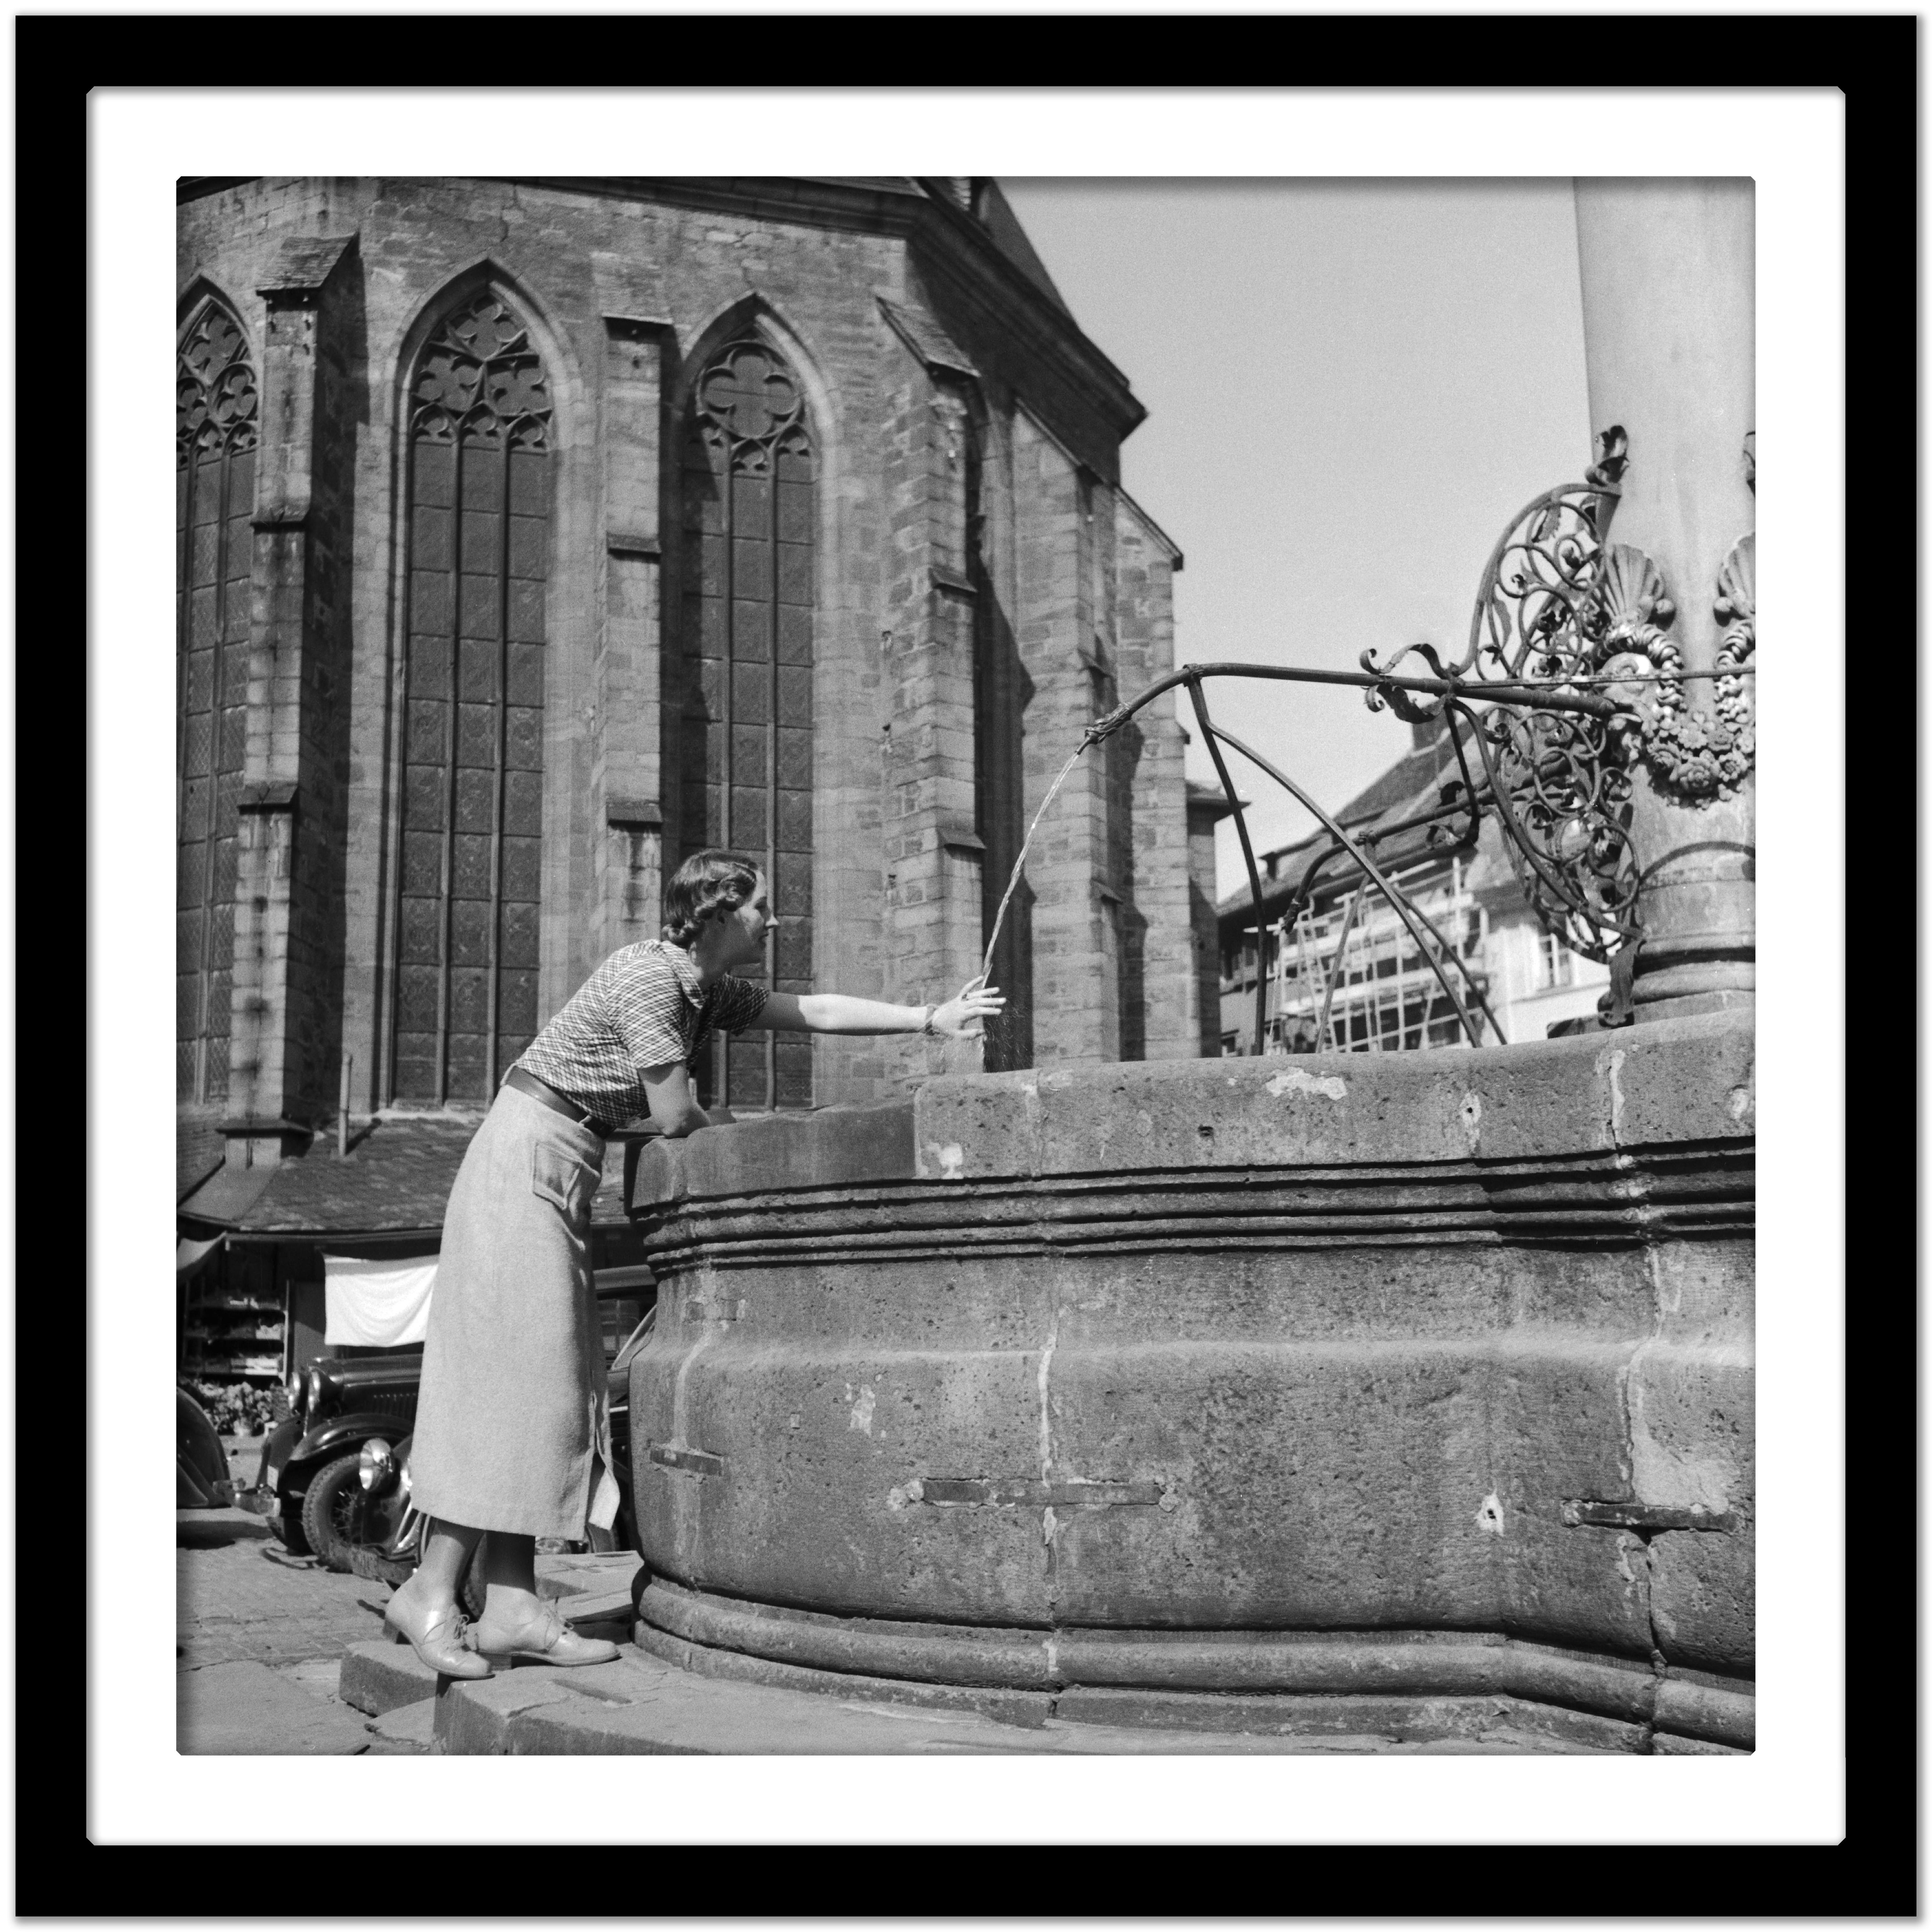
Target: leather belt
pixel 542 1091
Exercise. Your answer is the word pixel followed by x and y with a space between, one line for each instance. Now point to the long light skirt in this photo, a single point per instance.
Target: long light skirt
pixel 512 1411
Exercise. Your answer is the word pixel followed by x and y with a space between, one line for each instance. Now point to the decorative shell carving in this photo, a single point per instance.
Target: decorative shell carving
pixel 1631 609
pixel 1736 607
pixel 1707 755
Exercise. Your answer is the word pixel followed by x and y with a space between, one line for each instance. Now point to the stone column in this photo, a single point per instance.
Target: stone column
pixel 1669 309
pixel 1076 988
pixel 1163 992
pixel 1207 806
pixel 933 848
pixel 626 773
pixel 285 1029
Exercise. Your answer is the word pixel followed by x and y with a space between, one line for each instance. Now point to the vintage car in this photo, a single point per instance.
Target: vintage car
pixel 310 1486
pixel 201 1464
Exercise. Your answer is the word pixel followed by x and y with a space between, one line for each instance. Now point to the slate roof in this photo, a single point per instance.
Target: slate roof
pixel 1003 225
pixel 199 1151
pixel 397 1177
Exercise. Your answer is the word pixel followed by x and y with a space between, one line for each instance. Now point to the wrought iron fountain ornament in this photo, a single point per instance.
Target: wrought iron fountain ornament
pixel 1570 655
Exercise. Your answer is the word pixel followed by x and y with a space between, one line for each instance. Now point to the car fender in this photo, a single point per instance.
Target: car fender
pixel 336 1437
pixel 201 1463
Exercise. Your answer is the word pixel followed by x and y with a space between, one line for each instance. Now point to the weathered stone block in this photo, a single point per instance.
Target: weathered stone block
pixel 1493 1104
pixel 832 1146
pixel 1690 1079
pixel 380 1677
pixel 1703 1598
pixel 1073 1367
pixel 1692 1426
pixel 817 1496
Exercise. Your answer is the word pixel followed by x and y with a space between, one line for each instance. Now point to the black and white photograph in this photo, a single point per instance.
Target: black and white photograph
pixel 965 966
pixel 737 1127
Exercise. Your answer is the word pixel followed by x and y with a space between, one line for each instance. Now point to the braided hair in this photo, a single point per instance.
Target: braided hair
pixel 707 882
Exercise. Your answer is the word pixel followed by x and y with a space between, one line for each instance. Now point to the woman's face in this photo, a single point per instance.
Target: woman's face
pixel 745 926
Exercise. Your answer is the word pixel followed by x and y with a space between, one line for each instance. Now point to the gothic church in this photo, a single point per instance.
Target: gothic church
pixel 533 533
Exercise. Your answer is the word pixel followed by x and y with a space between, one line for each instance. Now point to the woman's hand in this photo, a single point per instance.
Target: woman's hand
pixel 976 1001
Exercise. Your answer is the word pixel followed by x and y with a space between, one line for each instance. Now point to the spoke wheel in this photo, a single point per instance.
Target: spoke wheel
pixel 331 1514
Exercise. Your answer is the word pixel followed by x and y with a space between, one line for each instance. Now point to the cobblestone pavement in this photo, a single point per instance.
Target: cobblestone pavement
pixel 239 1595
pixel 241 1598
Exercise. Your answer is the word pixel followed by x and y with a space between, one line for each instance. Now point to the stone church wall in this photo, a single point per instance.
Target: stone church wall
pixel 982 588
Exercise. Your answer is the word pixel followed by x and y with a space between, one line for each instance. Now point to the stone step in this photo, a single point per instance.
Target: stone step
pixel 588 1571
pixel 409 1728
pixel 380 1677
pixel 246 1709
pixel 642 1705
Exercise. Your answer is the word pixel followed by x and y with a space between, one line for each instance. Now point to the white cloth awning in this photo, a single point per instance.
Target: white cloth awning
pixel 377 1304
pixel 189 1256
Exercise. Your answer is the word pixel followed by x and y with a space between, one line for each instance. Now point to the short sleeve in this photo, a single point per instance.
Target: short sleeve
pixel 647 1012
pixel 736 1004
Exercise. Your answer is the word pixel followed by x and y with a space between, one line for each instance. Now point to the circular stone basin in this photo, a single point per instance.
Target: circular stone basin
pixel 1360 1390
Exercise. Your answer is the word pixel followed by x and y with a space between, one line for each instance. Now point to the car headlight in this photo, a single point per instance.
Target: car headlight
pixel 403 1479
pixel 374 1463
pixel 313 1387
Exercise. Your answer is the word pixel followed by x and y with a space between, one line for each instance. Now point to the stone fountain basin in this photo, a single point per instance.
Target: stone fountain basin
pixel 1430 1372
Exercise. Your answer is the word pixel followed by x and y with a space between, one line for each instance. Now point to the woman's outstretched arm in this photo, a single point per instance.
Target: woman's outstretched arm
pixel 845 1012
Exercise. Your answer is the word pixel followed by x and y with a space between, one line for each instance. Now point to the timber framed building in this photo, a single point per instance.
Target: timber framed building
pixel 1346 974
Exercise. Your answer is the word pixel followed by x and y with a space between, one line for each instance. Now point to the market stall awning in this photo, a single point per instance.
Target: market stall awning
pixel 376 1303
pixel 190 1255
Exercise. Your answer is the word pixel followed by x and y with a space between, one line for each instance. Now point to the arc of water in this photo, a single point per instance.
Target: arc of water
pixel 1026 845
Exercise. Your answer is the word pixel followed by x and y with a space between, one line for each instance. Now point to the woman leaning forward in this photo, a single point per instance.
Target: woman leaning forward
pixel 511 1425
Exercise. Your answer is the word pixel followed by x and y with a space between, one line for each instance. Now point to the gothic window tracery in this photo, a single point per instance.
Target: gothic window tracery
pixel 479 428
pixel 745 753
pixel 215 435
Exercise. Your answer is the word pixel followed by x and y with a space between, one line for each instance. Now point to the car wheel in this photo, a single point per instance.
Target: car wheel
pixel 331 1511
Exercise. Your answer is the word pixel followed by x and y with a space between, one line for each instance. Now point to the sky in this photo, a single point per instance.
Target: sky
pixel 1352 387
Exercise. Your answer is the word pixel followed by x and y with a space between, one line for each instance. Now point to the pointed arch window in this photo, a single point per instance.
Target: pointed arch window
pixel 749 473
pixel 215 435
pixel 478 534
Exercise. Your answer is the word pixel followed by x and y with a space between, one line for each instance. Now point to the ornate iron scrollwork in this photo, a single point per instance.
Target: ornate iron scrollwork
pixel 1554 605
pixel 1562 607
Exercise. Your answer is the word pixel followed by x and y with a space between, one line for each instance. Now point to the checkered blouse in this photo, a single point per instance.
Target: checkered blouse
pixel 643 1007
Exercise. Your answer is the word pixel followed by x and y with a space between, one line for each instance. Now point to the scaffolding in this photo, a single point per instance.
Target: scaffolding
pixel 1349 977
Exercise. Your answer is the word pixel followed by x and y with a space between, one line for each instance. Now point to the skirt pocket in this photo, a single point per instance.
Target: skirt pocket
pixel 559 1176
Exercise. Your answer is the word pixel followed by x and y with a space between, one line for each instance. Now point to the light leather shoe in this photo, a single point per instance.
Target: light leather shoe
pixel 438 1639
pixel 547 1639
